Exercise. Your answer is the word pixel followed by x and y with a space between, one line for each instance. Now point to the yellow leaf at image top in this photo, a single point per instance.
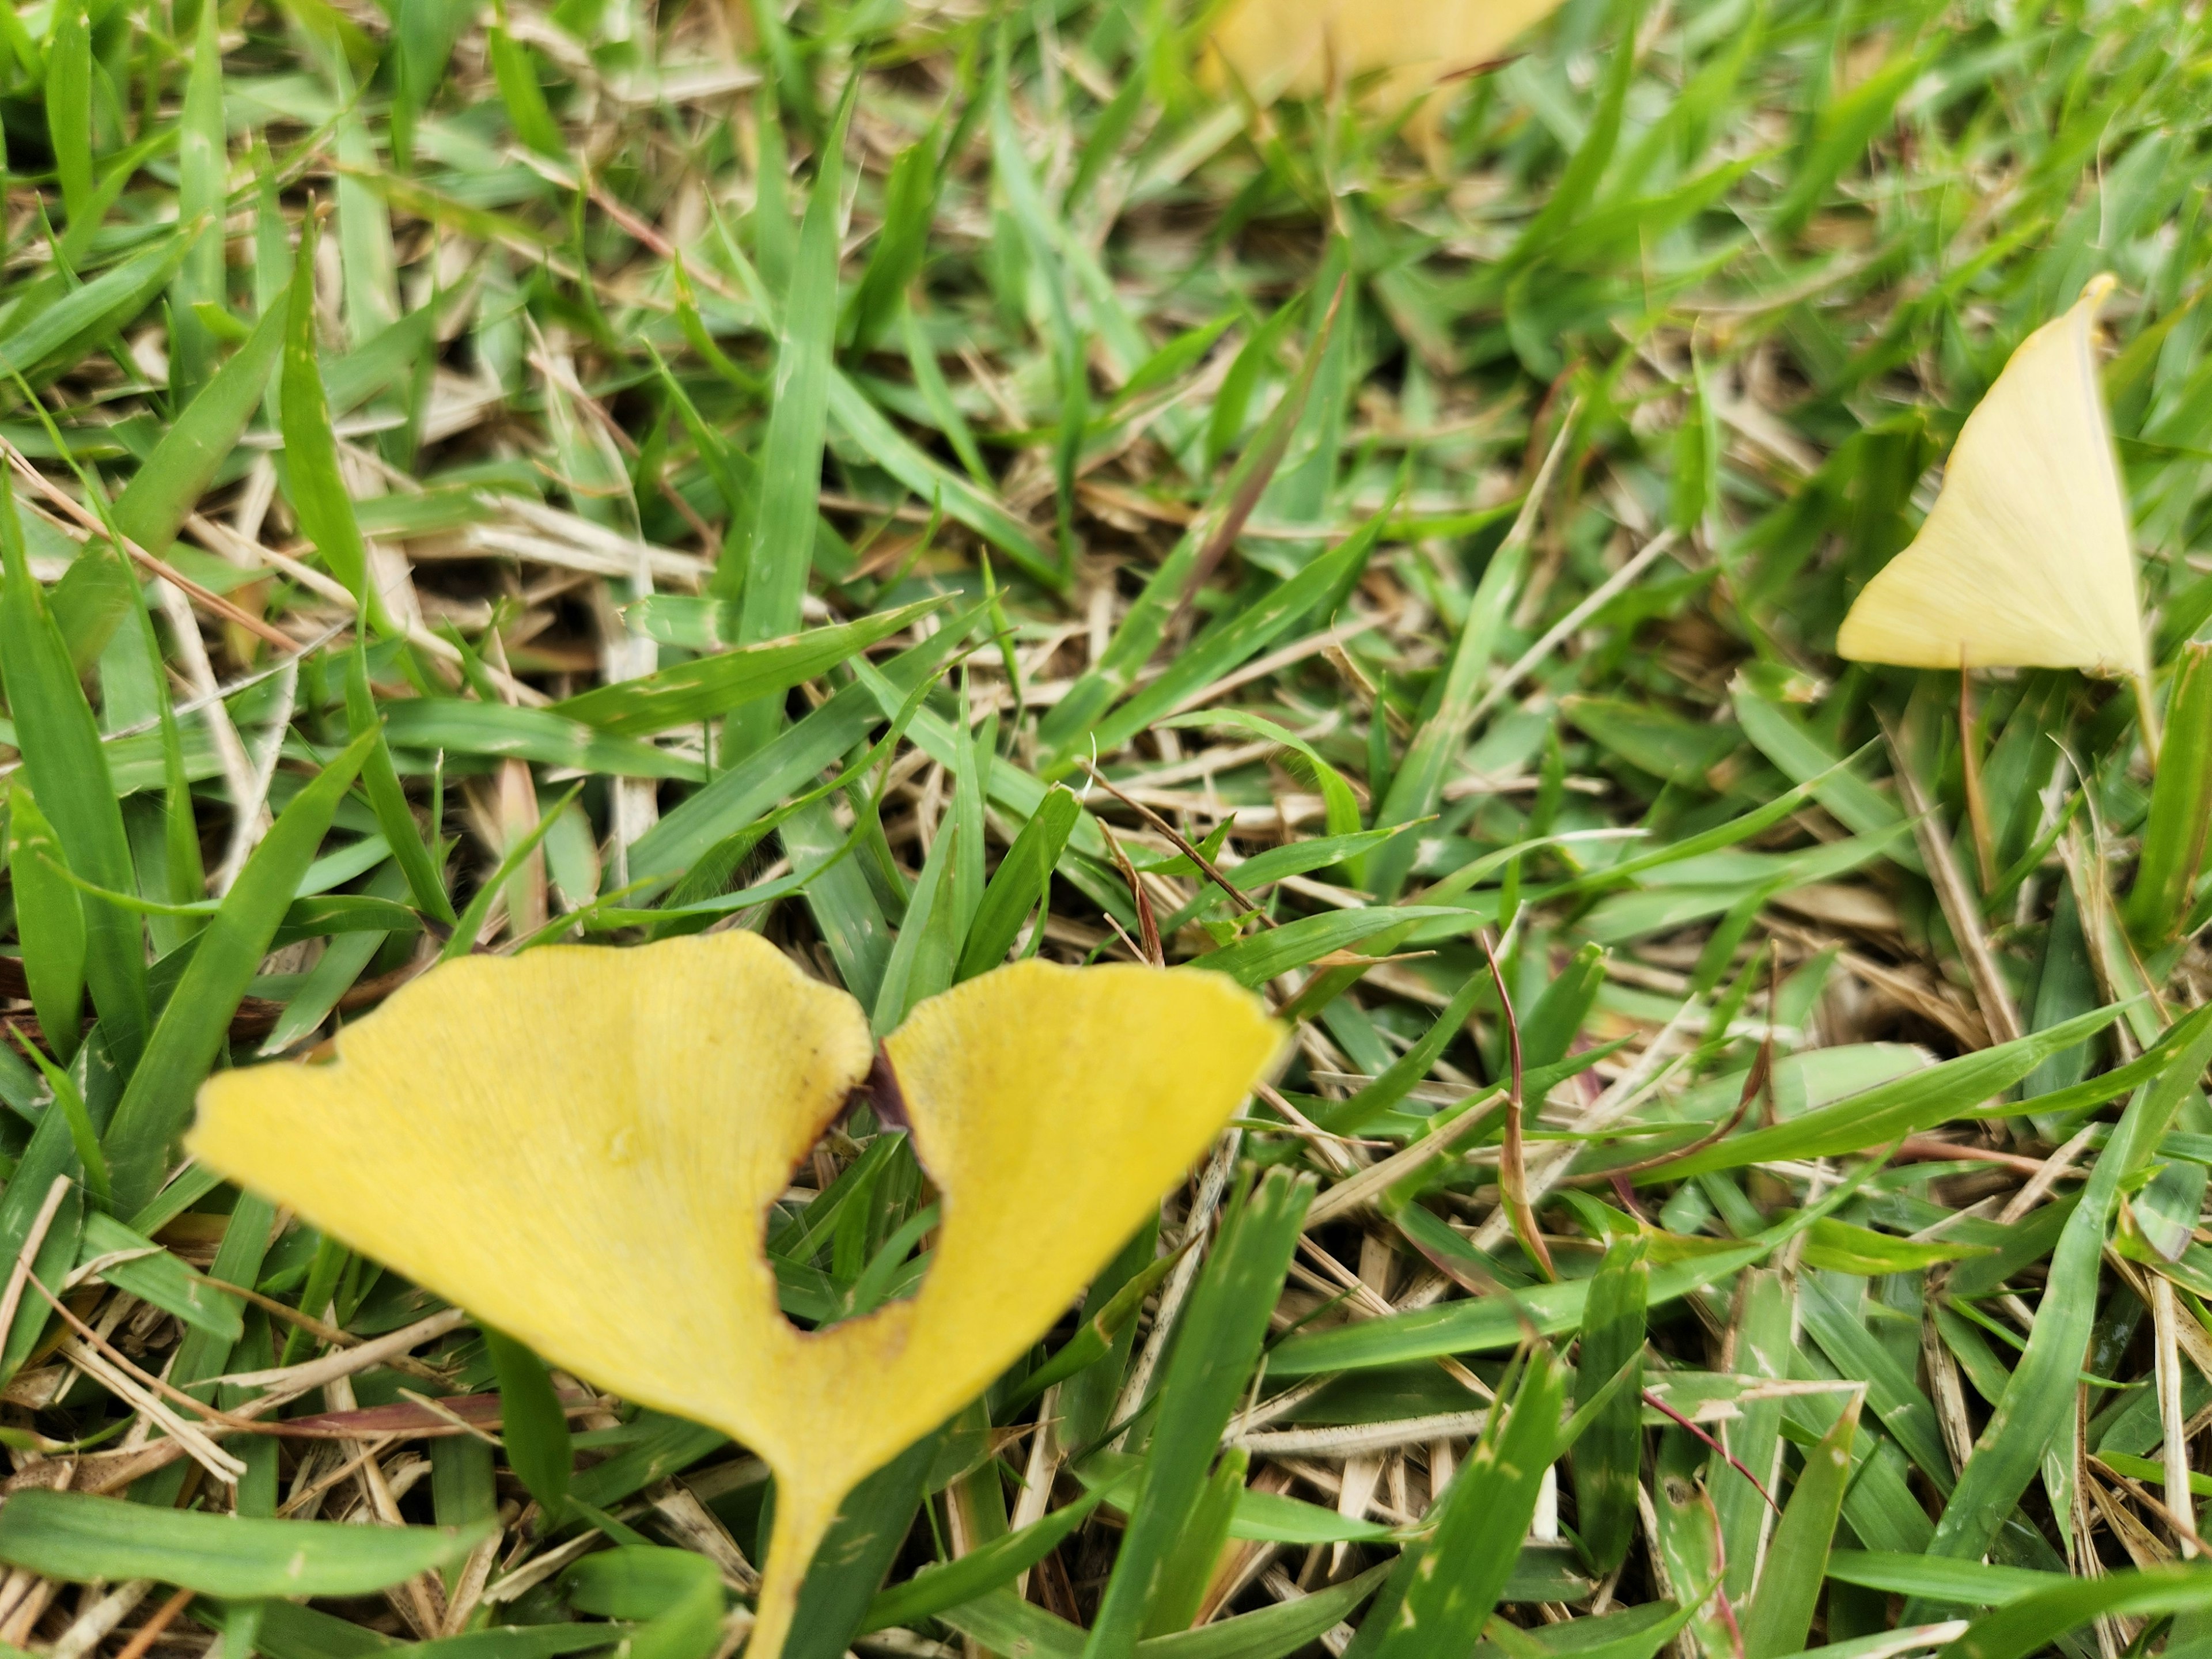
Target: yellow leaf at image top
pixel 1297 48
pixel 581 1146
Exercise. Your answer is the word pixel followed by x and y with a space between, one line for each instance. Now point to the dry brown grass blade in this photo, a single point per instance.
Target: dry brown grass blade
pixel 1513 1163
pixel 147 1634
pixel 1991 994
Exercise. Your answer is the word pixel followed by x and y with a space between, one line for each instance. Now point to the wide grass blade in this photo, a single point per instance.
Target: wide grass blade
pixel 62 757
pixel 167 486
pixel 1021 884
pixel 836 1601
pixel 713 685
pixel 2180 805
pixel 533 1427
pixel 158 1099
pixel 1442 1592
pixel 1608 1458
pixel 2031 1622
pixel 201 166
pixel 80 319
pixel 68 1535
pixel 49 923
pixel 1893 1110
pixel 779 552
pixel 1217 1342
pixel 1780 1615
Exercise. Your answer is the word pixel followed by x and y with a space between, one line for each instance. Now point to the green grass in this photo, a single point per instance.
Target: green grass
pixel 614 462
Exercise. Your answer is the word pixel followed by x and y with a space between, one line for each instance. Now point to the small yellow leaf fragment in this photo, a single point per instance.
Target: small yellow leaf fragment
pixel 1293 48
pixel 581 1147
pixel 2024 560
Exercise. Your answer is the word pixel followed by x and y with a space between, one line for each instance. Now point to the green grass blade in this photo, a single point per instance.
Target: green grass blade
pixel 677 1593
pixel 1967 1583
pixel 1760 1345
pixel 1577 183
pixel 1170 587
pixel 49 923
pixel 311 480
pixel 1258 957
pixel 1488 1325
pixel 909 203
pixel 514 70
pixel 394 816
pixel 1780 1615
pixel 68 771
pixel 202 165
pixel 2040 1397
pixel 709 686
pixel 2180 805
pixel 1443 1592
pixel 168 485
pixel 1900 1108
pixel 779 557
pixel 158 1099
pixel 1687 1539
pixel 89 603
pixel 77 322
pixel 871 1523
pixel 154 1275
pixel 1022 883
pixel 920 964
pixel 1340 806
pixel 471 926
pixel 1017 181
pixel 981 1570
pixel 1181 1592
pixel 1097 1336
pixel 51 1153
pixel 2030 1623
pixel 68 1535
pixel 68 1104
pixel 1416 785
pixel 944 414
pixel 421 727
pixel 930 481
pixel 844 906
pixel 1784 739
pixel 533 1426
pixel 1608 1458
pixel 1217 1343
pixel 756 783
pixel 1905 1413
pixel 69 105
pixel 1229 644
pixel 1550 1026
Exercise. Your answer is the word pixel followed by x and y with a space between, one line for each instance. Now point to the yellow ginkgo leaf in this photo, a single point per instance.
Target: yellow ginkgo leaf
pixel 2024 560
pixel 1291 48
pixel 581 1147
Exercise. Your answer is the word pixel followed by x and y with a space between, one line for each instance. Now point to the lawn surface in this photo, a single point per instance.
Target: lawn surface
pixel 1344 545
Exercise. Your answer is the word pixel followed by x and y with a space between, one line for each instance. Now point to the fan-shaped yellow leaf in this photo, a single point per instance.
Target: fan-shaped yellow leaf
pixel 2024 559
pixel 1291 48
pixel 582 1146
